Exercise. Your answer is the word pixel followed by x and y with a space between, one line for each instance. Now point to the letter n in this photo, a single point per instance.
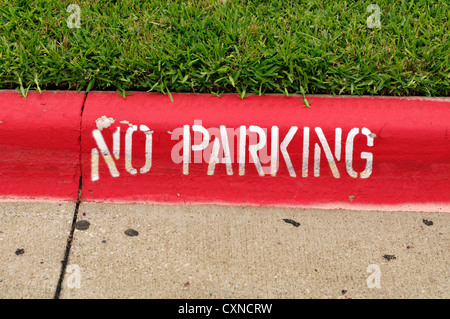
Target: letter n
pixel 98 137
pixel 327 150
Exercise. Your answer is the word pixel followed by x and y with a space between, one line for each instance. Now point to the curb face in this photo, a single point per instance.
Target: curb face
pixel 265 150
pixel 40 148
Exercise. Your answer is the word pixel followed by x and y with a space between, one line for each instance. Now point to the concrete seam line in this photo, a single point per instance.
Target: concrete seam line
pixel 75 215
pixel 79 140
pixel 65 260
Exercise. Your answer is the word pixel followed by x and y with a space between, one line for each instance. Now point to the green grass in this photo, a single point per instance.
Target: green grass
pixel 211 46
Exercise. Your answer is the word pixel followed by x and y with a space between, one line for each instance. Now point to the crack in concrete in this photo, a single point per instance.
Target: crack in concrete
pixel 68 245
pixel 75 216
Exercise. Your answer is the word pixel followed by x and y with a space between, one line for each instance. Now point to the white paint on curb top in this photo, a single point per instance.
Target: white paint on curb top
pixel 148 149
pixel 104 122
pixel 97 134
pixel 283 147
pixel 128 148
pixel 328 153
pixel 305 152
pixel 217 146
pixel 254 148
pixel 126 122
pixel 349 152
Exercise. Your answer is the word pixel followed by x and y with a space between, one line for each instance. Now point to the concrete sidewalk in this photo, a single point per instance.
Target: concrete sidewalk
pixel 249 252
pixel 156 251
pixel 33 239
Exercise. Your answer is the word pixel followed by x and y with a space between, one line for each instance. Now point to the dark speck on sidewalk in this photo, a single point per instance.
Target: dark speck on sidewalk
pixel 20 251
pixel 131 232
pixel 293 222
pixel 389 257
pixel 82 225
pixel 427 222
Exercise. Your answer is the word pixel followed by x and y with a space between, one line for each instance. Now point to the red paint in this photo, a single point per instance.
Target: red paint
pixel 39 141
pixel 411 153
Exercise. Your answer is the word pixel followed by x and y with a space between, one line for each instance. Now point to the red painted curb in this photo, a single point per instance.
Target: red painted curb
pixel 40 149
pixel 344 150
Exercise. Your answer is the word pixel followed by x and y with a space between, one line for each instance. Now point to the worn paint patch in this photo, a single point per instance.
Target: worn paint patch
pixel 126 122
pixel 104 122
